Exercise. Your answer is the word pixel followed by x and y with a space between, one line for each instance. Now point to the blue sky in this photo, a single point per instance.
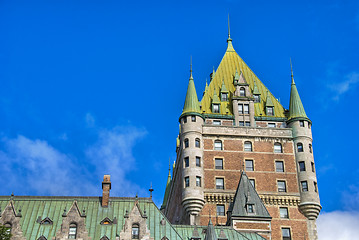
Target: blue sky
pixel 96 87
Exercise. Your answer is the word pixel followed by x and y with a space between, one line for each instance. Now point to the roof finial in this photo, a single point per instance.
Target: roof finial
pixel 191 68
pixel 291 70
pixel 229 29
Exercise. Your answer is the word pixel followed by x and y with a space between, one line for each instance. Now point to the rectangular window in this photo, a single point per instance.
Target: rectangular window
pixel 283 211
pixel 184 119
pixel 241 123
pixel 186 162
pixel 198 181
pixel 250 208
pixel 186 181
pixel 193 118
pixel 302 166
pixel 253 182
pixel 218 145
pixel 215 108
pixel 198 161
pixel 224 97
pixel 240 108
pixel 315 187
pixel 219 183
pixel 286 234
pixel 304 186
pixel 312 164
pixel 301 123
pixel 279 166
pixel 257 98
pixel 281 186
pixel 216 122
pixel 270 111
pixel 271 125
pixel 309 125
pixel 246 108
pixel 248 124
pixel 218 163
pixel 249 165
pixel 220 210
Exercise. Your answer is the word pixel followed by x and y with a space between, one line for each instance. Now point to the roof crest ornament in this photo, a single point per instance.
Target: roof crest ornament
pixel 229 30
pixel 191 77
pixel 291 70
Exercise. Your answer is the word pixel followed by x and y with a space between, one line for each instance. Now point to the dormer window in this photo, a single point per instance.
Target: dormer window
pixel 73 231
pixel 215 108
pixel 224 97
pixel 135 231
pixel 242 92
pixel 270 111
pixel 257 98
pixel 250 208
pixel 8 227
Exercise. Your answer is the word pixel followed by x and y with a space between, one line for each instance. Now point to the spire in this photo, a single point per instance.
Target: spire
pixel 296 109
pixel 210 233
pixel 168 186
pixel 205 89
pixel 191 104
pixel 229 39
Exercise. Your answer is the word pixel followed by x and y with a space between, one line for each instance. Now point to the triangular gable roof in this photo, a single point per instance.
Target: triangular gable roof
pixel 210 233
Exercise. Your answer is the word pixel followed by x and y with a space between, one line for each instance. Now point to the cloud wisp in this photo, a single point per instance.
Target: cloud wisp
pixel 349 82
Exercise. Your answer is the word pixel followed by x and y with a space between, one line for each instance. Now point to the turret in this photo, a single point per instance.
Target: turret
pixel 190 155
pixel 302 135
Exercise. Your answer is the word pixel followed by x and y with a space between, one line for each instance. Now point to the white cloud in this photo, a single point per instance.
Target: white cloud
pixel 341 87
pixel 338 225
pixel 90 120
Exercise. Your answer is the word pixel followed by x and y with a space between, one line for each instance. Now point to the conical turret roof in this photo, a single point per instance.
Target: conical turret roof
pixel 296 109
pixel 191 104
pixel 210 233
pixel 167 191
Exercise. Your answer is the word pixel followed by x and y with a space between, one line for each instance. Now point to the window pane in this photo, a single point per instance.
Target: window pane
pixel 184 119
pixel 186 162
pixel 135 232
pixel 218 163
pixel 193 118
pixel 283 211
pixel 250 208
pixel 198 161
pixel 217 145
pixel 286 233
pixel 242 92
pixel 186 181
pixel 270 111
pixel 277 148
pixel 304 186
pixel 249 165
pixel 281 186
pixel 279 166
pixel 315 187
pixel 300 147
pixel 248 124
pixel 241 123
pixel 312 164
pixel 220 210
pixel 198 181
pixel 198 143
pixel 216 122
pixel 271 125
pixel 246 108
pixel 216 108
pixel 302 166
pixel 186 143
pixel 253 182
pixel 224 96
pixel 310 148
pixel 248 146
pixel 219 183
pixel 257 98
pixel 240 108
pixel 301 123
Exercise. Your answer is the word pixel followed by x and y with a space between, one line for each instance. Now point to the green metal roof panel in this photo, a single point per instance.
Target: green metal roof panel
pixel 191 103
pixel 296 108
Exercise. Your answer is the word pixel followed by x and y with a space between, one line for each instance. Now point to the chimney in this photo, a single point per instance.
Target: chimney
pixel 106 186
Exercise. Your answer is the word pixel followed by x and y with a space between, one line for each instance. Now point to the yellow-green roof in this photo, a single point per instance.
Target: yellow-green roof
pixel 296 109
pixel 231 62
pixel 191 104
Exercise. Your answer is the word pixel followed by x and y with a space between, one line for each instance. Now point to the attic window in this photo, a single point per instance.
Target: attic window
pixel 8 227
pixel 73 231
pixel 135 231
pixel 270 111
pixel 250 208
pixel 257 98
pixel 215 108
pixel 46 221
pixel 242 92
pixel 224 97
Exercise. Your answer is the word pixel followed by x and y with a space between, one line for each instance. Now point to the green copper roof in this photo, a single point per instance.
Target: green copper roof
pixel 191 104
pixel 167 191
pixel 210 233
pixel 296 109
pixel 223 88
pixel 269 102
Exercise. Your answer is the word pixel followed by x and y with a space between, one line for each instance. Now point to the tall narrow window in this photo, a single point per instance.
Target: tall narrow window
pixel 299 147
pixel 283 212
pixel 218 163
pixel 219 183
pixel 257 98
pixel 242 92
pixel 277 147
pixel 186 181
pixel 246 108
pixel 215 108
pixel 184 119
pixel 270 111
pixel 315 187
pixel 198 143
pixel 304 186
pixel 193 118
pixel 8 227
pixel 198 161
pixel 135 231
pixel 247 146
pixel 310 148
pixel 186 143
pixel 279 166
pixel 253 182
pixel 250 208
pixel 281 186
pixel 312 164
pixel 249 165
pixel 301 166
pixel 220 210
pixel 218 145
pixel 240 108
pixel 224 97
pixel 198 181
pixel 186 162
pixel 301 123
pixel 286 234
pixel 73 231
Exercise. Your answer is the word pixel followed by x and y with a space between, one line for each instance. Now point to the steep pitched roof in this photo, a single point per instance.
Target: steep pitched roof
pixel 246 194
pixel 210 233
pixel 167 191
pixel 191 104
pixel 226 70
pixel 296 109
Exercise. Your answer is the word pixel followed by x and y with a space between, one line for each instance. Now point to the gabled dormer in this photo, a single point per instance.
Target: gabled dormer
pixel 256 93
pixel 216 103
pixel 269 106
pixel 224 93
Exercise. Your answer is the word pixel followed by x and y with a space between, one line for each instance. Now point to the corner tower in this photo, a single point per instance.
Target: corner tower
pixel 302 136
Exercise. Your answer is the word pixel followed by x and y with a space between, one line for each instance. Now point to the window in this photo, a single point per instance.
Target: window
pixel 253 182
pixel 248 146
pixel 215 108
pixel 8 227
pixel 219 183
pixel 301 166
pixel 299 147
pixel 257 98
pixel 304 186
pixel 246 108
pixel 301 123
pixel 198 161
pixel 220 210
pixel 186 181
pixel 279 166
pixel 283 212
pixel 186 162
pixel 286 234
pixel 242 92
pixel 248 124
pixel 198 143
pixel 250 208
pixel 184 119
pixel 312 164
pixel 193 118
pixel 271 125
pixel 218 145
pixel 270 111
pixel 277 147
pixel 240 108
pixel 315 187
pixel 281 186
pixel 218 163
pixel 198 181
pixel 135 231
pixel 224 97
pixel 310 148
pixel 249 165
pixel 216 122
pixel 73 231
pixel 309 125
pixel 186 143
pixel 241 123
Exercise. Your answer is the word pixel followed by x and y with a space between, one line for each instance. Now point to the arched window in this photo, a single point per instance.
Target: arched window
pixel 299 147
pixel 247 146
pixel 277 147
pixel 218 145
pixel 8 227
pixel 198 143
pixel 135 231
pixel 73 231
pixel 186 143
pixel 242 92
pixel 310 148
